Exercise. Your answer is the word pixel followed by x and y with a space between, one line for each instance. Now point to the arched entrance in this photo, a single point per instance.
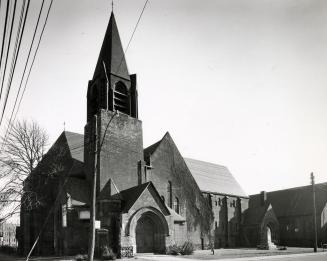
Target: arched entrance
pixel 149 233
pixel 269 235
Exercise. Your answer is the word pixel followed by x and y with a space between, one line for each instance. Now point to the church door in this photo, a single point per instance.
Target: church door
pixel 145 232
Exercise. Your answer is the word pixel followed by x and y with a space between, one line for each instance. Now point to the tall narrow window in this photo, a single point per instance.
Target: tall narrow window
pixel 176 205
pixel 170 194
pixel 121 100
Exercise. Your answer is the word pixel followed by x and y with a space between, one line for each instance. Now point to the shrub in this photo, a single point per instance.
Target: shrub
pixel 108 254
pixel 173 250
pixel 187 248
pixel 80 257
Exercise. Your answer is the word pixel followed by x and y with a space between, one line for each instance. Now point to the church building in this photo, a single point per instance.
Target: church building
pixel 147 199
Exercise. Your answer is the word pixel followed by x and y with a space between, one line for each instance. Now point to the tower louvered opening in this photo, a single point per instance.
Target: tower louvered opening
pixel 121 98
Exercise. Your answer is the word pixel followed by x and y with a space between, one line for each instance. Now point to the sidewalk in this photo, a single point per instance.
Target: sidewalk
pixel 254 258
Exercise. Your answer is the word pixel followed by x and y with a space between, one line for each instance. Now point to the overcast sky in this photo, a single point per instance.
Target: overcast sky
pixel 241 83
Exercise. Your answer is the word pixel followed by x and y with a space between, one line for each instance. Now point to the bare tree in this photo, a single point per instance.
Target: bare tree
pixel 20 153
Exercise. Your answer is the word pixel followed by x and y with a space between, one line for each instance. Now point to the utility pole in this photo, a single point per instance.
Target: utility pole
pixel 93 195
pixel 314 212
pixel 97 149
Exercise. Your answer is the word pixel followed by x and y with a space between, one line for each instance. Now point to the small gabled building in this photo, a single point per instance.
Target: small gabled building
pixel 293 209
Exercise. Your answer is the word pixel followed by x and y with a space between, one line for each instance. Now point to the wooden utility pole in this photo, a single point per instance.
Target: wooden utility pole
pixel 314 212
pixel 93 195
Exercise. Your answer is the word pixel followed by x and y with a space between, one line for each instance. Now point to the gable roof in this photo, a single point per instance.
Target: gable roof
pixel 209 177
pixel 148 151
pixel 295 201
pixel 214 178
pixel 75 142
pixel 131 195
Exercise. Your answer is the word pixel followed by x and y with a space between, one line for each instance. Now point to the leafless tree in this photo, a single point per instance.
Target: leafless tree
pixel 20 153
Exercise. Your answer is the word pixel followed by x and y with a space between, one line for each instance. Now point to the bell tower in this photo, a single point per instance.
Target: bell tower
pixel 113 133
pixel 112 87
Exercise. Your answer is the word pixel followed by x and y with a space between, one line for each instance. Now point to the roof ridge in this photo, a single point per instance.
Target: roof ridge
pixel 216 164
pixel 296 188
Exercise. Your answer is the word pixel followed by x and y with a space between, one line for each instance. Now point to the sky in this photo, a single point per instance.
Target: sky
pixel 240 83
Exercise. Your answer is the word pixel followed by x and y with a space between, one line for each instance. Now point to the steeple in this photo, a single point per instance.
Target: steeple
pixel 112 53
pixel 112 87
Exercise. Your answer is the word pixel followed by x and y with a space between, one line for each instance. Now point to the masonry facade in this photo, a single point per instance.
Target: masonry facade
pixel 147 199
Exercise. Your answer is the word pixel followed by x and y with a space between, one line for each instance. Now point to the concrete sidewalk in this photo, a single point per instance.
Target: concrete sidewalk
pixel 253 258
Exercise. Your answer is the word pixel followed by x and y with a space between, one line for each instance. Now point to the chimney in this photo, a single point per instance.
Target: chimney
pixel 263 197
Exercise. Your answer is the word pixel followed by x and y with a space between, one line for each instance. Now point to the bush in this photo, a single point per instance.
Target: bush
pixel 8 250
pixel 108 254
pixel 187 248
pixel 173 250
pixel 81 257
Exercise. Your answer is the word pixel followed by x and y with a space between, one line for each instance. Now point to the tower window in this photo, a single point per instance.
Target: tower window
pixel 121 99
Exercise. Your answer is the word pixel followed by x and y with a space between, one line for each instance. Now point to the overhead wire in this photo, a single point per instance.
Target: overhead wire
pixel 18 40
pixel 4 37
pixel 137 23
pixel 8 51
pixel 31 67
pixel 27 60
pixel 133 33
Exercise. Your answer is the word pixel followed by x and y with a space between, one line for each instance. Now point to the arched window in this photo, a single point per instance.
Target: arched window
pixel 176 205
pixel 121 100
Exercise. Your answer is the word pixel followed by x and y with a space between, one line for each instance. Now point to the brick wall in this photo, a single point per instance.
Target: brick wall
pixel 168 165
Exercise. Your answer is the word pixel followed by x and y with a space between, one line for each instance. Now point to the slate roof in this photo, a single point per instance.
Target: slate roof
pixel 112 53
pixel 75 142
pixel 214 178
pixel 294 201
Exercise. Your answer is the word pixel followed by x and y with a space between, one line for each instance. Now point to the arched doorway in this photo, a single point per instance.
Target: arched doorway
pixel 150 235
pixel 269 241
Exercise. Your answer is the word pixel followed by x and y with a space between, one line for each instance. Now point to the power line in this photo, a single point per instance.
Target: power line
pixel 8 50
pixel 137 23
pixel 28 56
pixel 4 37
pixel 132 36
pixel 37 48
pixel 18 40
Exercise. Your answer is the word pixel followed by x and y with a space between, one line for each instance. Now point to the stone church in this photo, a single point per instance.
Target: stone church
pixel 147 199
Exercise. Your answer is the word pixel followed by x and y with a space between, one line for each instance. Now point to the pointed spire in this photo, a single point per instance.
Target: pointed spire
pixel 112 53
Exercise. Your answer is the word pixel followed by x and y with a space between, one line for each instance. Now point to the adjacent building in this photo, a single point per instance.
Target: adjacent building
pixel 8 234
pixel 290 212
